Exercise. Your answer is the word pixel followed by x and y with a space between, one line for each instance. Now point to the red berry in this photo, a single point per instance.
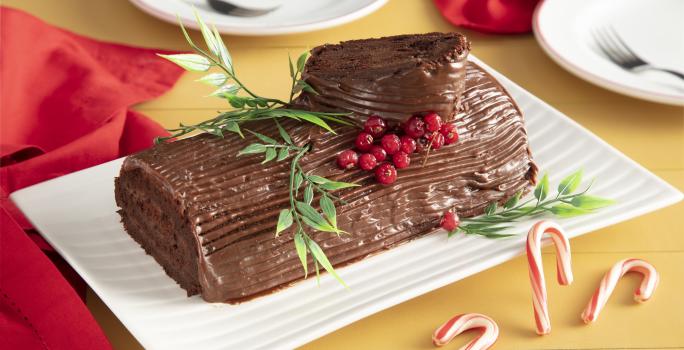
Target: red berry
pixel 449 221
pixel 379 153
pixel 375 126
pixel 390 143
pixel 364 142
pixel 414 127
pixel 367 161
pixel 385 173
pixel 401 160
pixel 450 133
pixel 432 121
pixel 436 140
pixel 347 159
pixel 421 144
pixel 408 145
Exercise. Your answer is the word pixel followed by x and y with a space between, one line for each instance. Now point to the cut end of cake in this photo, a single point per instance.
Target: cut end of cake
pixel 368 56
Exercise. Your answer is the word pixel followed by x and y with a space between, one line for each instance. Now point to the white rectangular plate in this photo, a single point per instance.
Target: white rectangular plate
pixel 77 215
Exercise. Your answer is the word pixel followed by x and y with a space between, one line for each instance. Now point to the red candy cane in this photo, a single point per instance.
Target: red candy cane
pixel 563 267
pixel 461 323
pixel 610 280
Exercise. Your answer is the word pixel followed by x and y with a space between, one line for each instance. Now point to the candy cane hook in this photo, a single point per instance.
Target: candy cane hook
pixel 461 323
pixel 610 280
pixel 534 259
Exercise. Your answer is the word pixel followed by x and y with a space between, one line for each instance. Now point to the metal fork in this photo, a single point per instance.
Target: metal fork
pixel 614 48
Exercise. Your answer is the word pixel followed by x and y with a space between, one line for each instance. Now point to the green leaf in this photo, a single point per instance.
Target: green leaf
pixel 565 210
pixel 315 120
pixel 226 91
pixel 328 208
pixel 542 189
pixel 284 221
pixel 215 131
pixel 213 79
pixel 319 255
pixel 189 61
pixel 317 179
pixel 224 55
pixel 253 149
pixel 302 85
pixel 283 153
pixel 301 61
pixel 298 181
pixel 286 137
pixel 336 185
pixel 185 32
pixel 209 38
pixel 588 202
pixel 490 209
pixel 235 101
pixel 325 227
pixel 300 245
pixel 270 155
pixel 511 202
pixel 234 127
pixel 569 184
pixel 292 71
pixel 263 138
pixel 308 194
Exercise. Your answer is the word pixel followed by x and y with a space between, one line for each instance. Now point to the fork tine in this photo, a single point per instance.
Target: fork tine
pixel 625 56
pixel 623 45
pixel 605 46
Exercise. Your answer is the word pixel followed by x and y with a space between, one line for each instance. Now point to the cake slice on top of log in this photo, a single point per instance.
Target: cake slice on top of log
pixel 392 77
pixel 208 217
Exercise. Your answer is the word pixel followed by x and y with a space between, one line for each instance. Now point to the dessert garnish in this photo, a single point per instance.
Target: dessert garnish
pixel 610 280
pixel 246 107
pixel 377 144
pixel 566 203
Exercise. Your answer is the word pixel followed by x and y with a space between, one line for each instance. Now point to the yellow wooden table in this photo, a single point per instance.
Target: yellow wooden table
pixel 652 134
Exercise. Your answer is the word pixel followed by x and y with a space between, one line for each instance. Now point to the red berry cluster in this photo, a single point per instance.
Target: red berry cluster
pixel 391 150
pixel 449 221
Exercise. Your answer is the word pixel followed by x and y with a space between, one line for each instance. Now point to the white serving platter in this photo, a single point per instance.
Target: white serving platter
pixel 293 16
pixel 653 29
pixel 77 215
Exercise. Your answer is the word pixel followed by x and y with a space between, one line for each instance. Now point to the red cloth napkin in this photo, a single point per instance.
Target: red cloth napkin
pixel 64 104
pixel 491 16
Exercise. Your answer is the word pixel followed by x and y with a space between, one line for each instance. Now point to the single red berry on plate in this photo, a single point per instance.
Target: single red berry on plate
pixel 385 173
pixel 408 145
pixel 450 133
pixel 347 159
pixel 379 153
pixel 436 141
pixel 414 127
pixel 367 161
pixel 421 144
pixel 364 142
pixel 449 221
pixel 401 160
pixel 375 126
pixel 432 121
pixel 390 143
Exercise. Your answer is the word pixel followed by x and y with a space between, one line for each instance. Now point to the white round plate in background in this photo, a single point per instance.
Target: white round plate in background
pixel 652 29
pixel 293 16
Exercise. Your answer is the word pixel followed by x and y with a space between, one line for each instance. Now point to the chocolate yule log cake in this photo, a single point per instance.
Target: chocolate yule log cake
pixel 208 216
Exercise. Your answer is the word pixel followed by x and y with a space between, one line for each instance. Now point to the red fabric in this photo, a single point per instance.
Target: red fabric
pixel 64 106
pixel 491 16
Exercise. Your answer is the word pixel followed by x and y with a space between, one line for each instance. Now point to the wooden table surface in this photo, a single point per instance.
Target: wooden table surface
pixel 652 134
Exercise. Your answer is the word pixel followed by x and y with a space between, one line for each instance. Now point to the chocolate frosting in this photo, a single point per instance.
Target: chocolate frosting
pixel 230 204
pixel 414 73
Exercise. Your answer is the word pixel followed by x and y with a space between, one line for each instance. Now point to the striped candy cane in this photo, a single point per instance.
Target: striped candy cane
pixel 534 259
pixel 461 323
pixel 610 280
